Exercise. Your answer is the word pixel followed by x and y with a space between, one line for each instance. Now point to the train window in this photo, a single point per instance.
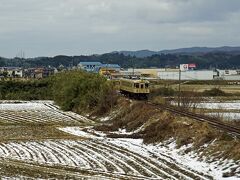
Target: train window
pixel 136 85
pixel 142 86
pixel 146 85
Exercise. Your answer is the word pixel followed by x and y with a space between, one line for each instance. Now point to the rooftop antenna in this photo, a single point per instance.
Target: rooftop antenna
pixel 133 67
pixel 21 55
pixel 71 64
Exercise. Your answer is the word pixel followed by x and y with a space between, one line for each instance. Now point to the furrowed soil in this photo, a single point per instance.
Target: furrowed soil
pixel 38 140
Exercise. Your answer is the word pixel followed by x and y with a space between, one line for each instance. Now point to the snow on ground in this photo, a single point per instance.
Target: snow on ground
pixel 37 112
pixel 165 150
pixel 15 178
pixel 78 131
pixel 111 116
pixel 235 105
pixel 23 106
pixel 231 105
pixel 226 115
pixel 225 106
pixel 124 131
pixel 170 151
pixel 103 119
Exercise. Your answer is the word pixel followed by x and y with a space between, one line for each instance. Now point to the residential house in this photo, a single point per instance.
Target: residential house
pixel 13 72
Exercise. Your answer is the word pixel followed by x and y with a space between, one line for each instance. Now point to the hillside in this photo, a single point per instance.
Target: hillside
pixel 189 51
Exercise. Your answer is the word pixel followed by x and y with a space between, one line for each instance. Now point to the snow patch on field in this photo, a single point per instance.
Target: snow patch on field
pixel 125 132
pixel 44 112
pixel 169 151
pixel 78 131
pixel 23 106
pixel 15 178
pixel 225 106
pixel 226 115
pixel 103 119
pixel 231 105
pixel 231 108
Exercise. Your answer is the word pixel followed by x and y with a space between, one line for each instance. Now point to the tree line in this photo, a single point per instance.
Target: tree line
pixel 204 61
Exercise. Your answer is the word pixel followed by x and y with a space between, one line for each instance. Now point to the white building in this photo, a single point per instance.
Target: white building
pixel 231 78
pixel 12 71
pixel 229 74
pixel 187 75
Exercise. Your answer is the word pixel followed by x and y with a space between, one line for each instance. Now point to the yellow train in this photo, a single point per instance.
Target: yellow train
pixel 134 88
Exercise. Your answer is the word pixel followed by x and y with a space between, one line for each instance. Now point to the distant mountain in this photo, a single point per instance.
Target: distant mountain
pixel 202 50
pixel 182 51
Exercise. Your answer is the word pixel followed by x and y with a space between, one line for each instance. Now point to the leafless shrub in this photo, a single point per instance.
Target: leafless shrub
pixel 190 99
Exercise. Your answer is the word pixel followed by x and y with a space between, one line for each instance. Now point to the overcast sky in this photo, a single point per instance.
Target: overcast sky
pixel 74 27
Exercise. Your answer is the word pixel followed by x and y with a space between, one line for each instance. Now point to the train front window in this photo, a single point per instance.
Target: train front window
pixel 146 86
pixel 142 86
pixel 136 85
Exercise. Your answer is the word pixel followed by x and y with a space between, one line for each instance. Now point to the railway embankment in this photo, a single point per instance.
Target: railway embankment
pixel 136 119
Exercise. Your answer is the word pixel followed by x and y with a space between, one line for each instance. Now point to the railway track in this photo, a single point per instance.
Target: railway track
pixel 217 123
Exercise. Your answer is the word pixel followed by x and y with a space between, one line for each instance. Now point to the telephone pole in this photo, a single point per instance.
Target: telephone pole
pixel 179 87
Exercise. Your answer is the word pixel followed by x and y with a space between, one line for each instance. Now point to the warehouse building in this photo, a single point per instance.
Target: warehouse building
pixel 187 75
pixel 230 75
pixel 231 78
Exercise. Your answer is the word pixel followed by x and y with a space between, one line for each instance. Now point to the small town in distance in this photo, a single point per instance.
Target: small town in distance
pixel 114 71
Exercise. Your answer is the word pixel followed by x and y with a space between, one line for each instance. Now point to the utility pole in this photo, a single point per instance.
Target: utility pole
pixel 107 72
pixel 179 87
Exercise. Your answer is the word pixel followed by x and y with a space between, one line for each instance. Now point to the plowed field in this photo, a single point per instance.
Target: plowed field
pixel 40 141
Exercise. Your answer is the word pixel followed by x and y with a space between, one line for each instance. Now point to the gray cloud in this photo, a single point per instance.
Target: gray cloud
pixel 50 27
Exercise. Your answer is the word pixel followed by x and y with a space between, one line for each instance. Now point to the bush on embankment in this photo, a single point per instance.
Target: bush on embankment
pixel 80 91
pixel 214 92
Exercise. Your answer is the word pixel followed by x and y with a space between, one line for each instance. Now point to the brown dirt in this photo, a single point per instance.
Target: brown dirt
pixel 12 133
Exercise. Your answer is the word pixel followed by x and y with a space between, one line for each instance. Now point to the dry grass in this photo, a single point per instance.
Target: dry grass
pixel 158 126
pixel 131 117
pixel 235 123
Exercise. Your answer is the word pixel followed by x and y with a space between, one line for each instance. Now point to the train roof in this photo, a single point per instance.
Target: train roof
pixel 136 80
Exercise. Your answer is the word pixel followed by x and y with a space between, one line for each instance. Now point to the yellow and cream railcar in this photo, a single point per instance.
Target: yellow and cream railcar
pixel 135 88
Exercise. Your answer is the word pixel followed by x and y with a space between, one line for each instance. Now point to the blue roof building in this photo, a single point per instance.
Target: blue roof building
pixel 90 66
pixel 96 66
